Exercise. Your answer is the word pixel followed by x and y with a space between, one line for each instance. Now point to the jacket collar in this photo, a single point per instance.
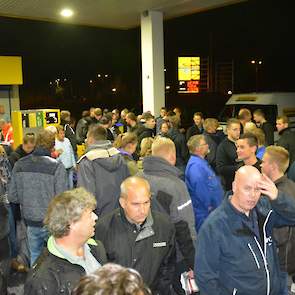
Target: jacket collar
pixel 53 250
pixel 146 229
pixel 41 151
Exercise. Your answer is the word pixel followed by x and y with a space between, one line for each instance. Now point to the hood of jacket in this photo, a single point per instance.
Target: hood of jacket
pixel 104 155
pixel 100 144
pixel 159 166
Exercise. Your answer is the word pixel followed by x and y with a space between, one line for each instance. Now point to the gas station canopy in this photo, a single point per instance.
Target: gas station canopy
pixel 116 14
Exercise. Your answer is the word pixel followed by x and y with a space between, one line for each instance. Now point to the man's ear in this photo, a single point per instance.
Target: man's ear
pixel 122 202
pixel 234 186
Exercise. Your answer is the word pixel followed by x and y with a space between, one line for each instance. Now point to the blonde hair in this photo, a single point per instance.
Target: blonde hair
pixel 279 156
pixel 123 139
pixel 211 123
pixel 162 146
pixel 249 127
pixel 260 135
pixel 146 146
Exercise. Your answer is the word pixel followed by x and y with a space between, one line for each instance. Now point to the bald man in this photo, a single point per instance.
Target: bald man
pixel 235 250
pixel 136 237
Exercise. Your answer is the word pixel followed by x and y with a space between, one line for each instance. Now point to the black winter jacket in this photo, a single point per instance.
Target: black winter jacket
pixel 182 153
pixel 53 275
pixel 287 140
pixel 226 164
pixel 150 250
pixel 16 155
pixel 285 236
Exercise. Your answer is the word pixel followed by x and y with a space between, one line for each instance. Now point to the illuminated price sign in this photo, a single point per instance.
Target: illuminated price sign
pixel 189 74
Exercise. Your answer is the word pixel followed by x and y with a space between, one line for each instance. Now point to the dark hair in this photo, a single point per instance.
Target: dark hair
pixel 232 121
pixel 105 120
pixel 147 116
pixel 259 112
pixel 131 116
pixel 251 138
pixel 111 279
pixel 97 132
pixel 85 113
pixel 170 114
pixel 29 138
pixel 200 114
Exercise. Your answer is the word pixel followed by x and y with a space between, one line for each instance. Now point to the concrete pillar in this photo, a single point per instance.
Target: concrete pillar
pixel 152 54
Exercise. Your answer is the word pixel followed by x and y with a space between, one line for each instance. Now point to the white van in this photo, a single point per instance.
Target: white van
pixel 273 104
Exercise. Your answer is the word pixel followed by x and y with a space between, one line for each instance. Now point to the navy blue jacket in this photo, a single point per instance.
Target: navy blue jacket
pixel 234 258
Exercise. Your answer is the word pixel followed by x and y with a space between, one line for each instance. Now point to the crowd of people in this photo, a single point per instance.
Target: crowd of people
pixel 150 208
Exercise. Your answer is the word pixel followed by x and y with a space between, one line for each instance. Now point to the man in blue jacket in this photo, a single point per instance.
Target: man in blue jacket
pixel 203 185
pixel 236 253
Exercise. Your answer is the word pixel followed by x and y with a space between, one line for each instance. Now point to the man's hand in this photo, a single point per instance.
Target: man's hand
pixel 268 188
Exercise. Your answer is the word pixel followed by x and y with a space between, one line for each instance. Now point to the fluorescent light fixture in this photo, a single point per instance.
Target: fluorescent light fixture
pixel 66 12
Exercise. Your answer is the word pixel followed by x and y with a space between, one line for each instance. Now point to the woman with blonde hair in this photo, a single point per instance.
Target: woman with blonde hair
pixel 145 150
pixel 126 144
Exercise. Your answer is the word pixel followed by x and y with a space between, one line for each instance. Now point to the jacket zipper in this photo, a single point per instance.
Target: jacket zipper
pixel 264 254
pixel 254 255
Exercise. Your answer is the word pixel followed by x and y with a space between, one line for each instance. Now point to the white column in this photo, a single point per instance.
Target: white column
pixel 152 54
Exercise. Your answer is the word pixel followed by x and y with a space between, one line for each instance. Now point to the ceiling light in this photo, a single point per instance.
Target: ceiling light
pixel 66 12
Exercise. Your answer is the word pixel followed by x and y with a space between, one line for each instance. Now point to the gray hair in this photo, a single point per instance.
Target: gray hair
pixel 67 208
pixel 195 142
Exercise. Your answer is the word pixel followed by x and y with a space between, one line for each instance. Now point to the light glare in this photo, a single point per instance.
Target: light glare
pixel 66 12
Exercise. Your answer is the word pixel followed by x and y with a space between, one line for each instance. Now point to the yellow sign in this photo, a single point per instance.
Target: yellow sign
pixel 32 120
pixel 11 70
pixel 189 68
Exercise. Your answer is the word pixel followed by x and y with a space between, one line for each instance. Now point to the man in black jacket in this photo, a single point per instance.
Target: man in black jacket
pixel 226 156
pixel 65 120
pixel 287 137
pixel 197 128
pixel 178 138
pixel 70 252
pixel 24 149
pixel 267 127
pixel 136 237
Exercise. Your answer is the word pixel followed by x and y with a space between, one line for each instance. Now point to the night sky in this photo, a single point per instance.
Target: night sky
pixel 242 32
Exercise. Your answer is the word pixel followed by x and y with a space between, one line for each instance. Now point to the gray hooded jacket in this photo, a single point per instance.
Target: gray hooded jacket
pixel 101 171
pixel 165 183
